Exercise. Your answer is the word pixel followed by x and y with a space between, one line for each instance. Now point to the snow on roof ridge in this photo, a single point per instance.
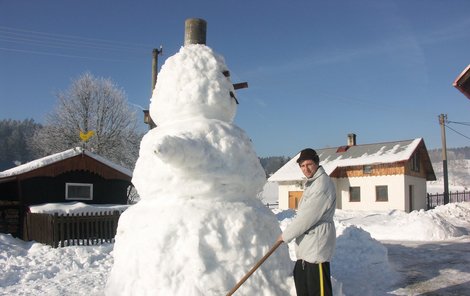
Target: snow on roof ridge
pixel 56 157
pixel 109 163
pixel 382 143
pixel 290 171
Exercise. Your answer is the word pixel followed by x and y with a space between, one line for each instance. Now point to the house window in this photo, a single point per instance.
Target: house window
pixel 79 191
pixel 381 193
pixel 354 194
pixel 367 169
pixel 415 162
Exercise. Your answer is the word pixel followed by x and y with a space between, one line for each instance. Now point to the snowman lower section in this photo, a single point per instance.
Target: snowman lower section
pixel 178 246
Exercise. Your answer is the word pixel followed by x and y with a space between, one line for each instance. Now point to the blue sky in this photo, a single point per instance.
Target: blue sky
pixel 317 70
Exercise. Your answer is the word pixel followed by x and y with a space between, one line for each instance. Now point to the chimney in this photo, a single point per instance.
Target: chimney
pixel 195 31
pixel 351 139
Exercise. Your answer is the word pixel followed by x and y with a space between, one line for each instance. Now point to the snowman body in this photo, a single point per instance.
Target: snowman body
pixel 198 227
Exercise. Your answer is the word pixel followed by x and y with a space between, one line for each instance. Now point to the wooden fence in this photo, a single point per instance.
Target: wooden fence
pixel 72 229
pixel 437 199
pixel 10 215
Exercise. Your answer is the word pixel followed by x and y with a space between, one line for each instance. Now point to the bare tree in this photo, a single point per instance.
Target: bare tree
pixel 91 106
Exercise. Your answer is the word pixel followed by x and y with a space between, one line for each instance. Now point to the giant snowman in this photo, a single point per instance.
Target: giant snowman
pixel 199 226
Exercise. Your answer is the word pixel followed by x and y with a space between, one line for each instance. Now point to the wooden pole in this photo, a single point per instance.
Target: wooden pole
pixel 273 248
pixel 442 120
pixel 155 53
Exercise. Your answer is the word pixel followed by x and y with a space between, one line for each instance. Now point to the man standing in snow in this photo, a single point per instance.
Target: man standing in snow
pixel 313 229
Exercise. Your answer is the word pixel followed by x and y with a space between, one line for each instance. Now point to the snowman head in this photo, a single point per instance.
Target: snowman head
pixel 191 84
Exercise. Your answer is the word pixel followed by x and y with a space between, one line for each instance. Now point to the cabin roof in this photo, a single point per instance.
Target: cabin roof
pixel 58 157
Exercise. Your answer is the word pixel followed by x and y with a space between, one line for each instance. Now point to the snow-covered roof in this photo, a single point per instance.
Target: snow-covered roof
pixel 368 154
pixel 50 159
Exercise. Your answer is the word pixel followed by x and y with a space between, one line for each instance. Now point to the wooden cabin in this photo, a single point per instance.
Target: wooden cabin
pixel 380 176
pixel 73 175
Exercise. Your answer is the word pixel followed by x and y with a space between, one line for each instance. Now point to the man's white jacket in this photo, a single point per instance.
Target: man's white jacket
pixel 313 227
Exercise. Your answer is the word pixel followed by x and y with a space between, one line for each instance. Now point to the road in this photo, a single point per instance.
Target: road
pixel 431 268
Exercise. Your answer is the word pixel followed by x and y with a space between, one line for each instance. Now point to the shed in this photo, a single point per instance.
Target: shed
pixel 378 176
pixel 72 175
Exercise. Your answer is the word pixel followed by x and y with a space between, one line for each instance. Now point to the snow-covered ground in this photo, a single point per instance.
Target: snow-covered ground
pixel 378 253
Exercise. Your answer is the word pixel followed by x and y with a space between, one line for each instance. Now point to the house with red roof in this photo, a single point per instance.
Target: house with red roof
pixel 373 177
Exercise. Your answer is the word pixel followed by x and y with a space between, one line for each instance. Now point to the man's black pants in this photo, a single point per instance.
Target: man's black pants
pixel 312 279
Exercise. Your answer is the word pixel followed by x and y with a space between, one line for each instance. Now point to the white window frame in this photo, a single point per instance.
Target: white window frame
pixel 89 185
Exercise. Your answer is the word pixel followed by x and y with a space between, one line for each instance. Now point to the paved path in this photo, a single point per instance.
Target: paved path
pixel 431 268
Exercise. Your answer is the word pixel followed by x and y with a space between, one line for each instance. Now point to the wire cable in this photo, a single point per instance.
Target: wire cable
pixel 462 123
pixel 62 55
pixel 457 132
pixel 76 46
pixel 45 35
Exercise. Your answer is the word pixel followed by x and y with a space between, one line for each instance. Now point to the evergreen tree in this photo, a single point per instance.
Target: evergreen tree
pixel 14 142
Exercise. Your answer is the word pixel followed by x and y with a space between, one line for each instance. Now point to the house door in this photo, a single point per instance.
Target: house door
pixel 294 199
pixel 410 197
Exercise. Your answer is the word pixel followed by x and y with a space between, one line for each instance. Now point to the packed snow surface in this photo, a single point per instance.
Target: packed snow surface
pixel 360 265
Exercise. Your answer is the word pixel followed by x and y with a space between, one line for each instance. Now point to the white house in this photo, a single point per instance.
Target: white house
pixel 380 176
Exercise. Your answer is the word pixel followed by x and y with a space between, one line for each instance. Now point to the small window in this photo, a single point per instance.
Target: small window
pixel 381 193
pixel 79 191
pixel 367 169
pixel 354 194
pixel 415 162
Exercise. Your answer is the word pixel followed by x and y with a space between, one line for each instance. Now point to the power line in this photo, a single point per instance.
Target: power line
pixel 82 46
pixel 61 55
pixel 462 123
pixel 63 43
pixel 45 35
pixel 457 132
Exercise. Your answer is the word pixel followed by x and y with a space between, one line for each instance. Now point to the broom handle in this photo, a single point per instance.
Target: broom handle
pixel 273 248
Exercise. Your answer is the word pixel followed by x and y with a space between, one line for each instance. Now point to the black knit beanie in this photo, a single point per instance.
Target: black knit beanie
pixel 308 154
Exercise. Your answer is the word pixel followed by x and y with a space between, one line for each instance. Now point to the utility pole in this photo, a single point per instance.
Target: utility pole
pixel 442 120
pixel 155 53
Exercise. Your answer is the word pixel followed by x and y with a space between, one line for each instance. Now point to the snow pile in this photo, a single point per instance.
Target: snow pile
pixel 198 227
pixel 357 257
pixel 456 213
pixel 433 225
pixel 30 268
pixel 76 208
